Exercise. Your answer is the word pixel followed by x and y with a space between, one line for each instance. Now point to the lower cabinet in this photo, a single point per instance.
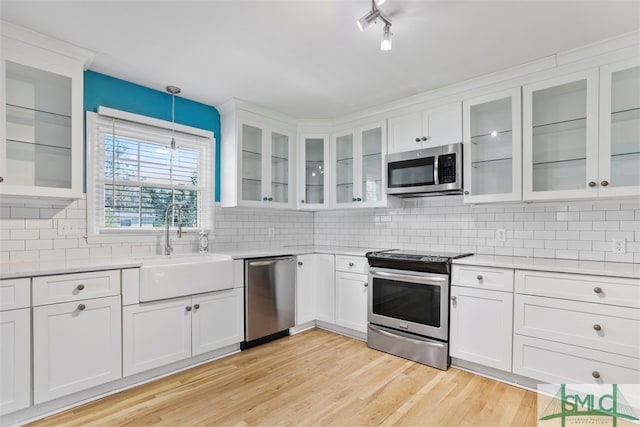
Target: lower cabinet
pixel 161 332
pixel 351 300
pixel 15 357
pixel 481 326
pixel 76 345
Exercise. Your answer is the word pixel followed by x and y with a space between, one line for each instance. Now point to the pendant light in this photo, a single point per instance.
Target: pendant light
pixel 173 90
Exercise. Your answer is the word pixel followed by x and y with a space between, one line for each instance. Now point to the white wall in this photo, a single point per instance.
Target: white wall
pixel 560 230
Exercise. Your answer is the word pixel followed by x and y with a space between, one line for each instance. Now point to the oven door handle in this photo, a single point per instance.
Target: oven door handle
pixel 407 276
pixel 402 337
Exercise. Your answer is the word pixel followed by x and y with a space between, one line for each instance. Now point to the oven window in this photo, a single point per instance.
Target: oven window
pixel 410 173
pixel 406 301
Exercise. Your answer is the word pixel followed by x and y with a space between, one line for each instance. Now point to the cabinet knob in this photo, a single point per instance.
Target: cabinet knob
pixel 597 327
pixel 353 199
pixel 264 199
pixel 270 199
pixel 81 307
pixel 188 308
pixel 595 374
pixel 196 306
pixel 604 183
pixel 1 179
pixel 424 138
pixel 301 201
pixel 454 298
pixel 351 264
pixel 417 139
pixel 597 290
pixel 300 263
pixel 592 184
pixel 80 287
pixel 366 284
pixel 466 192
pixel 479 277
pixel 359 199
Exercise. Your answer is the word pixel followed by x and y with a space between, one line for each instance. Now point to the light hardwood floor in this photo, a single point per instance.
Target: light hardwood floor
pixel 313 378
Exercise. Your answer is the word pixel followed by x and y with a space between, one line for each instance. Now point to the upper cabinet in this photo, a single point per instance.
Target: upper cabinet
pixel 358 167
pixel 257 161
pixel 313 178
pixel 41 148
pixel 430 128
pixel 619 159
pixel 492 148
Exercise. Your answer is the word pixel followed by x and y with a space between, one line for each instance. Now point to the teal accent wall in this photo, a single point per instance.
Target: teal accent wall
pixel 100 89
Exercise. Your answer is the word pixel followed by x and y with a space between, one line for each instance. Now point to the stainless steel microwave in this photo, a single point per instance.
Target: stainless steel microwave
pixel 427 172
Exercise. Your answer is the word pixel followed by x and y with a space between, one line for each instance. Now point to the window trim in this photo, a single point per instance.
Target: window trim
pixel 99 235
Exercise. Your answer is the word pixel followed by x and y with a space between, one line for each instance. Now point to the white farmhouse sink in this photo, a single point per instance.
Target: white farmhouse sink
pixel 173 276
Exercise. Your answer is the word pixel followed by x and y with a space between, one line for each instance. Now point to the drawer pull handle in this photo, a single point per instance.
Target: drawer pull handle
pixel 597 327
pixel 597 290
pixel 454 298
pixel 351 264
pixel 196 306
pixel 81 307
pixel 595 374
pixel 188 308
pixel 80 287
pixel 479 277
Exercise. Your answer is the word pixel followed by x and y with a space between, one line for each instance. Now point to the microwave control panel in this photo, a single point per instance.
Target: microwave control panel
pixel 447 168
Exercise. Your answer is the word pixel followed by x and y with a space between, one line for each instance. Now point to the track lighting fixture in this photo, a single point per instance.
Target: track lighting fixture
pixel 371 17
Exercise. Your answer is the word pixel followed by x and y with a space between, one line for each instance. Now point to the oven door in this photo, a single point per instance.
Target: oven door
pixel 410 301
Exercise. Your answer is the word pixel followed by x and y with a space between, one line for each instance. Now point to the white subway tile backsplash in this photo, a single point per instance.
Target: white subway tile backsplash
pixel 25 234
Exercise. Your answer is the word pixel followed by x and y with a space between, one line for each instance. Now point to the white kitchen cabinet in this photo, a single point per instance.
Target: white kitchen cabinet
pixel 217 320
pixel 15 360
pixel 492 147
pixel 325 280
pixel 560 137
pixel 76 345
pixel 481 326
pixel 619 142
pixel 351 300
pixel 41 148
pixel 257 161
pixel 313 178
pixel 306 284
pixel 358 167
pixel 430 128
pixel 161 332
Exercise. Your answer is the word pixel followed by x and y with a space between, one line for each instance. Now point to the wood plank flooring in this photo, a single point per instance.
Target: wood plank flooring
pixel 313 378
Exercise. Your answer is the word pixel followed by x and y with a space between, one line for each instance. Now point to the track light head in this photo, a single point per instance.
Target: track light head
pixel 385 44
pixel 367 20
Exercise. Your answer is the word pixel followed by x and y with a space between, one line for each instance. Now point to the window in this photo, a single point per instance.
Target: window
pixel 134 173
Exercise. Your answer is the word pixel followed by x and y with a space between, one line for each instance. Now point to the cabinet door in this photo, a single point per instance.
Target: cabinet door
pixel 41 152
pixel 344 149
pixel 279 191
pixel 314 158
pixel 155 334
pixel 405 133
pixel 217 320
pixel 325 288
pixel 351 301
pixel 76 346
pixel 251 170
pixel 371 150
pixel 444 125
pixel 15 357
pixel 560 137
pixel 619 160
pixel 481 326
pixel 492 148
pixel 306 283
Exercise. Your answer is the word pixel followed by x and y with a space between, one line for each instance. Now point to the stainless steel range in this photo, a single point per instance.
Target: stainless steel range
pixel 408 308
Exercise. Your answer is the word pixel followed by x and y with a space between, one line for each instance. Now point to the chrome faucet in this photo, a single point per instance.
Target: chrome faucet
pixel 168 248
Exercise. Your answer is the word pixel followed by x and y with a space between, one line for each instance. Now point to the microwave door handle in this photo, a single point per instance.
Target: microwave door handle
pixel 436 178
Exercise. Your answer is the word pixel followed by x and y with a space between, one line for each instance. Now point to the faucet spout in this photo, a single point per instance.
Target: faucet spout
pixel 168 248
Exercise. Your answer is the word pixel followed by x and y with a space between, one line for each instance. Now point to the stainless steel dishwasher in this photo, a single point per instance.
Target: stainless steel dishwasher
pixel 269 303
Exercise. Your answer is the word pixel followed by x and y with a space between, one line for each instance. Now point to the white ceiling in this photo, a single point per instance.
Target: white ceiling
pixel 307 58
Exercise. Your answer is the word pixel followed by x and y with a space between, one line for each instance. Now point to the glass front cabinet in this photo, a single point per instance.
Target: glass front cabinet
pixel 313 178
pixel 358 167
pixel 41 151
pixel 492 147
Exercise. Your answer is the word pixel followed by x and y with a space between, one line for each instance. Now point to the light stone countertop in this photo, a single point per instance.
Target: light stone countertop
pixel 297 250
pixel 617 269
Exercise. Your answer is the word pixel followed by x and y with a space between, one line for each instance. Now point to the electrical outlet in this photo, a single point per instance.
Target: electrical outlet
pixel 67 227
pixel 618 246
pixel 501 235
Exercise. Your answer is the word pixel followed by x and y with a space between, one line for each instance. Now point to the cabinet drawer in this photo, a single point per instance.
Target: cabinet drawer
pixel 352 264
pixel 15 293
pixel 597 326
pixel 581 287
pixel 74 287
pixel 558 363
pixel 497 279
